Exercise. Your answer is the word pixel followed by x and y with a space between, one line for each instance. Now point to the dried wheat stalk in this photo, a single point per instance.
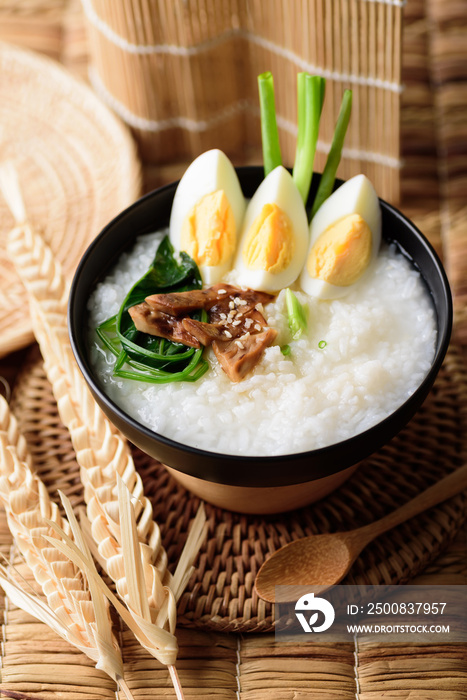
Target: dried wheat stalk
pixel 78 612
pixel 102 453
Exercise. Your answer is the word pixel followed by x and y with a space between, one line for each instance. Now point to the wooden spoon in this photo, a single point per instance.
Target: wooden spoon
pixel 324 560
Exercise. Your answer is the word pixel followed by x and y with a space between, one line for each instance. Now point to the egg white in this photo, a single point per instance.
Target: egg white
pixel 277 188
pixel 356 196
pixel 210 172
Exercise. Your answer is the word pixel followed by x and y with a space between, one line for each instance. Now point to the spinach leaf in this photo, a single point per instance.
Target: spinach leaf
pixel 151 358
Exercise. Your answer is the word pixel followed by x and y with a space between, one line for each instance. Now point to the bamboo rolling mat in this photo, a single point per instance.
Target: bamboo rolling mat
pixel 149 62
pixel 253 666
pixel 182 75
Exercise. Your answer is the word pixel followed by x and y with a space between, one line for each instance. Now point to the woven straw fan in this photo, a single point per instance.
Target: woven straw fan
pixel 130 552
pixel 76 610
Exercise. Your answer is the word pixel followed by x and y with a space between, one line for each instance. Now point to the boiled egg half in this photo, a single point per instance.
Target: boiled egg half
pixel 207 214
pixel 274 237
pixel 345 236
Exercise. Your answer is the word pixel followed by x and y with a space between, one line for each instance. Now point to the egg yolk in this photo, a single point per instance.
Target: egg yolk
pixel 342 252
pixel 208 232
pixel 270 242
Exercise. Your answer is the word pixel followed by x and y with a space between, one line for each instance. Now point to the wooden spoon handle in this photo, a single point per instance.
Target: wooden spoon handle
pixel 449 486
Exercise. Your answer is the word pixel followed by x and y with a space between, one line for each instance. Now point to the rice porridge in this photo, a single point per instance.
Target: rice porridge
pixel 362 357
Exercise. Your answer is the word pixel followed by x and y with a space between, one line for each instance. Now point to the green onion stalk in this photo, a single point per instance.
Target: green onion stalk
pixel 310 99
pixel 329 173
pixel 269 133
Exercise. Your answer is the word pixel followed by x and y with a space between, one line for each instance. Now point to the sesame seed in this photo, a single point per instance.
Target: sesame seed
pixel 240 302
pixel 223 316
pixel 259 307
pixel 231 305
pixel 248 322
pixel 240 344
pixel 257 327
pixel 222 291
pixel 228 334
pixel 236 323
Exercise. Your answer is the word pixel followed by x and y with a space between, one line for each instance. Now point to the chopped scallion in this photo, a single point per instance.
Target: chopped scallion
pixel 296 315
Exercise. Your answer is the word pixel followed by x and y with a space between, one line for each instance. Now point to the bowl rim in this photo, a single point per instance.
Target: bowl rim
pixel 261 461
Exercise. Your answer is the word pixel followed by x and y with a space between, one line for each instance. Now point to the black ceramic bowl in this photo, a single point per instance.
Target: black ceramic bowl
pixel 197 468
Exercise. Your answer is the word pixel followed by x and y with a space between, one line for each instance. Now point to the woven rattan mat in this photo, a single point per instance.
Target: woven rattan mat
pixel 77 166
pixel 221 595
pixel 236 667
